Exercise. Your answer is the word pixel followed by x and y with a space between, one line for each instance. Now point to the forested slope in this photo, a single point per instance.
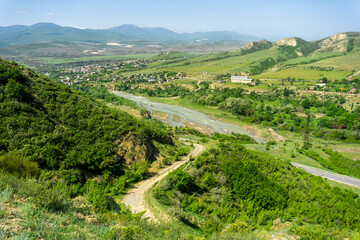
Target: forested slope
pixel 64 130
pixel 232 190
pixel 65 159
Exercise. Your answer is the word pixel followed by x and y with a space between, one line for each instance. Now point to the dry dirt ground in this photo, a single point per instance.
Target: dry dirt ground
pixel 135 198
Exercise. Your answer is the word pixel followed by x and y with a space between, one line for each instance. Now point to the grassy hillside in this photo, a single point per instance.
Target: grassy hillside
pixel 65 160
pixel 47 127
pixel 230 190
pixel 60 129
pixel 335 57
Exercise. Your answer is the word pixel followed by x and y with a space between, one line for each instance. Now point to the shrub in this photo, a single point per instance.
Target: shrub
pixel 126 233
pixel 5 194
pixel 53 198
pixel 16 163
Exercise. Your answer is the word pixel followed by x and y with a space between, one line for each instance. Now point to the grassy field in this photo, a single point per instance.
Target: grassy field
pixel 304 73
pixel 347 62
pixel 215 63
pixel 311 58
pixel 233 62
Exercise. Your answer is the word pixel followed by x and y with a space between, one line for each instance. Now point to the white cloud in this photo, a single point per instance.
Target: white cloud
pixel 21 12
pixel 50 14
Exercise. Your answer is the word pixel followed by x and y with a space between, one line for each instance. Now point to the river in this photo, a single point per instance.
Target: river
pixel 178 116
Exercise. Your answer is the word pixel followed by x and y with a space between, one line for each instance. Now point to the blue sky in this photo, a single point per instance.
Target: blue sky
pixel 309 19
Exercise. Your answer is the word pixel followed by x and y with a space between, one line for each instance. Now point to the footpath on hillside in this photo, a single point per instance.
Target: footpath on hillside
pixel 135 198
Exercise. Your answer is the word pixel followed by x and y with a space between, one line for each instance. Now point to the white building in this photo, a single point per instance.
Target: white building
pixel 241 79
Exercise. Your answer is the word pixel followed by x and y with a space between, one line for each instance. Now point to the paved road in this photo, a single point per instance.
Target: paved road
pixel 135 197
pixel 329 175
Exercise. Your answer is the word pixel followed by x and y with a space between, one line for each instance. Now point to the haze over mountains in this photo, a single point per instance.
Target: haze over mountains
pixel 51 40
pixel 19 34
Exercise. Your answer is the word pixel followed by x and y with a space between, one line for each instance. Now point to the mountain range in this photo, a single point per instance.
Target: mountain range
pixel 43 32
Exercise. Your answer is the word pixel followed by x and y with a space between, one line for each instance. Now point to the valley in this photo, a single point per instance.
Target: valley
pixel 181 117
pixel 113 143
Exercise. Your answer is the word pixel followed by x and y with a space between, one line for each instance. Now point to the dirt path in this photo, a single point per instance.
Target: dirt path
pixel 135 196
pixel 353 75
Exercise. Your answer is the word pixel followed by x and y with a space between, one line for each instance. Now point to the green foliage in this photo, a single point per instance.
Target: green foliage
pixel 97 195
pixel 15 90
pixel 53 198
pixel 101 93
pixel 5 194
pixel 126 233
pixel 262 65
pixel 237 190
pixel 336 162
pixel 62 130
pixel 17 164
pixel 10 70
pixel 249 184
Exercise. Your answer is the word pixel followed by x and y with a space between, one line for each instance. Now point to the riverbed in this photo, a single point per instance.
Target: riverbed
pixel 181 116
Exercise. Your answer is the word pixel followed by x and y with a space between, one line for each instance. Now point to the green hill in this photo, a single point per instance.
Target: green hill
pixel 289 57
pixel 65 160
pixel 229 191
pixel 65 131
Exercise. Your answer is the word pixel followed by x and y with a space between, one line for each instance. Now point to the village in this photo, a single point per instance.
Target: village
pixel 110 72
pixel 121 72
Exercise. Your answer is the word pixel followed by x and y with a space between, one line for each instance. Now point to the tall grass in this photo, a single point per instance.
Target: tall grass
pixel 5 194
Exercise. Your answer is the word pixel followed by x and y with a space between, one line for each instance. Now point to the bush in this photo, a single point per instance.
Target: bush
pixel 16 163
pixel 53 198
pixel 126 233
pixel 5 194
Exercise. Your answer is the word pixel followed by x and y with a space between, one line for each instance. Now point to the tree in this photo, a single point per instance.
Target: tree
pixel 307 143
pixel 306 103
pixel 15 90
pixel 145 113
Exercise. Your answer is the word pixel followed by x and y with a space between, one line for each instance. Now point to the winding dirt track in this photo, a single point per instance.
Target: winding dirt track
pixel 135 196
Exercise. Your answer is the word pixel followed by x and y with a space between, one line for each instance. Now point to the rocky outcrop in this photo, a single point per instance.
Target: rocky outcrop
pixel 133 149
pixel 335 43
pixel 293 42
pixel 256 46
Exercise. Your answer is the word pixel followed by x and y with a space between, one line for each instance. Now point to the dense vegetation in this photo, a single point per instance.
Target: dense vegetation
pixel 65 158
pixel 280 108
pixel 60 129
pixel 335 162
pixel 101 92
pixel 231 189
pixel 46 126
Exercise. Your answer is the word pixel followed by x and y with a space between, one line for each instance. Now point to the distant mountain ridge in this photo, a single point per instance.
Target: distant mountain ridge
pixel 41 32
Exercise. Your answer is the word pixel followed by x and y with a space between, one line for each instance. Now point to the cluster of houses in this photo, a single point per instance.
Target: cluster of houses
pixel 111 72
pixel 323 86
pixel 153 77
pixel 77 75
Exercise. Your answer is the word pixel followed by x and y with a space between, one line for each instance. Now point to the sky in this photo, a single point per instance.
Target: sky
pixel 271 19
